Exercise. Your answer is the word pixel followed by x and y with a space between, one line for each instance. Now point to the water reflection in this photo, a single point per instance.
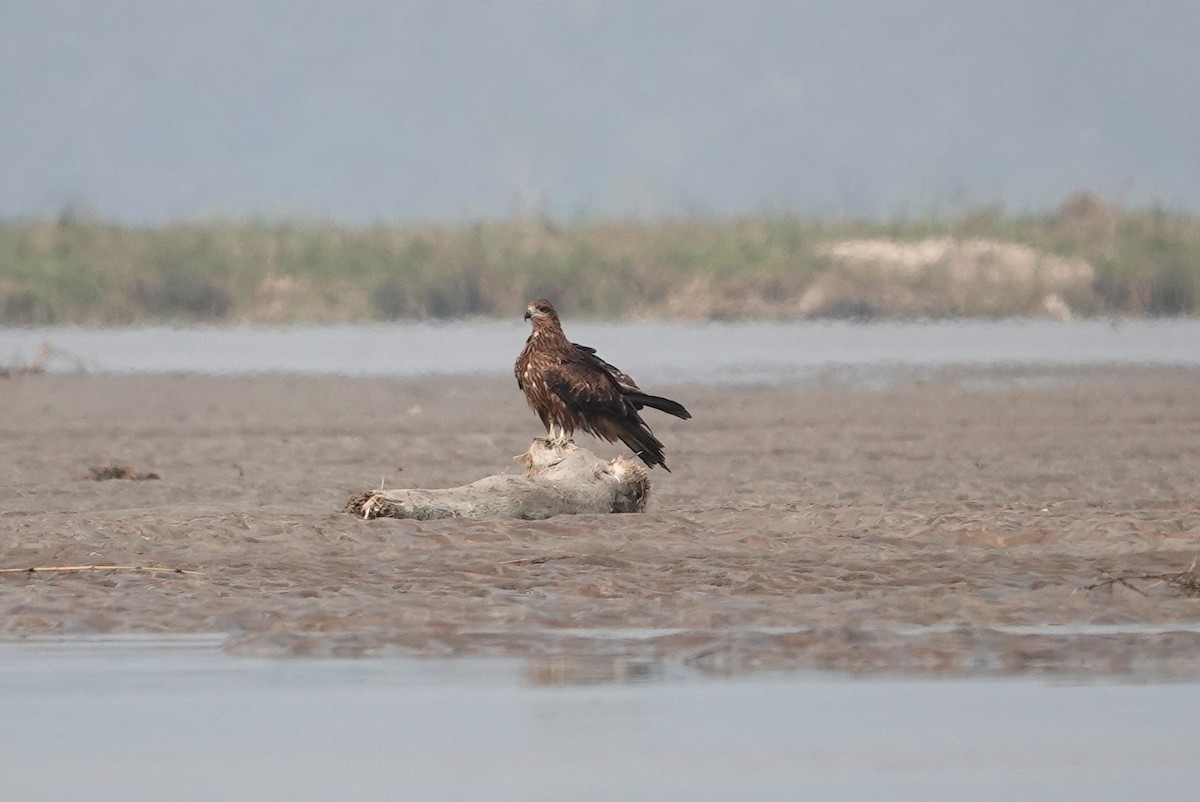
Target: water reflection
pixel 591 671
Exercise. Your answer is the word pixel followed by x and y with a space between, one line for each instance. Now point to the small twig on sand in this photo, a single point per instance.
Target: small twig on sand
pixel 50 569
pixel 1186 582
pixel 536 560
pixel 1111 579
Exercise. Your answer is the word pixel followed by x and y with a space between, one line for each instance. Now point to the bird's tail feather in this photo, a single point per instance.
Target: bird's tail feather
pixel 639 438
pixel 658 402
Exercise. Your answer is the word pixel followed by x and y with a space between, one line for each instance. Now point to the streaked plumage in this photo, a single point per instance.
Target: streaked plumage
pixel 571 388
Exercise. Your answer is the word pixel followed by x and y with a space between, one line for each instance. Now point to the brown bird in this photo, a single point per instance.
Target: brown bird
pixel 570 388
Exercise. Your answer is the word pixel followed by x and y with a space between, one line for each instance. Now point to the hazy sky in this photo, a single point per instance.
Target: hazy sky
pixel 385 110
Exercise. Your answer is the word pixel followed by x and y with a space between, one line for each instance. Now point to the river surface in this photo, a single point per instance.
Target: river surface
pixel 718 352
pixel 176 718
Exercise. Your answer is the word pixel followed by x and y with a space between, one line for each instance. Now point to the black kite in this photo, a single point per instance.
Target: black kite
pixel 571 388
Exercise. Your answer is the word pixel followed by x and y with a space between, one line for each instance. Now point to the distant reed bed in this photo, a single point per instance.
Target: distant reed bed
pixel 1086 258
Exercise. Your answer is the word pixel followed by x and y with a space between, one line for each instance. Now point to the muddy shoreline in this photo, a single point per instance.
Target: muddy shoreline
pixel 938 522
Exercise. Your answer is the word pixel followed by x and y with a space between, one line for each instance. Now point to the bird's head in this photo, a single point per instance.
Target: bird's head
pixel 541 311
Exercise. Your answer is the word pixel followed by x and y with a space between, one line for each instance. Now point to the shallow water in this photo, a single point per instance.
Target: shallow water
pixel 719 352
pixel 148 718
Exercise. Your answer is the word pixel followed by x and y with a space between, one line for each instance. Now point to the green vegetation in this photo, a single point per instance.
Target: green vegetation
pixel 70 270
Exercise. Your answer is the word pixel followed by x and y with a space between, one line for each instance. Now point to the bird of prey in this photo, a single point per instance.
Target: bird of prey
pixel 570 388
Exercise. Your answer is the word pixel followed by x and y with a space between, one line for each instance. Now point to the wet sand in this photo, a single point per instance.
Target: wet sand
pixel 943 523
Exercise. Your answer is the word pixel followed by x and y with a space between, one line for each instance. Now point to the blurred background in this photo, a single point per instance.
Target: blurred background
pixel 313 162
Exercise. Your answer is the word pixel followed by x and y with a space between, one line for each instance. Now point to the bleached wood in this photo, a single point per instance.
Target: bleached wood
pixel 559 479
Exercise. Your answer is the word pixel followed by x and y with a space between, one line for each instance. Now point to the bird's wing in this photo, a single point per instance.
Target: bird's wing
pixel 588 356
pixel 577 379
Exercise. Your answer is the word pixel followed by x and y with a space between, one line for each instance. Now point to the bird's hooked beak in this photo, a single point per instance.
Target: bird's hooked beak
pixel 538 310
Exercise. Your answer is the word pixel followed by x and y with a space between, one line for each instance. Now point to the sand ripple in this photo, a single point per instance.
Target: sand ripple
pixel 940 524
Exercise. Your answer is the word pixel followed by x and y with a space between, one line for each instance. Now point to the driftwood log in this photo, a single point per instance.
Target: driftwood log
pixel 558 480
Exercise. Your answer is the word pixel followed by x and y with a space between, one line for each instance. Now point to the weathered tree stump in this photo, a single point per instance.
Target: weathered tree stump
pixel 558 480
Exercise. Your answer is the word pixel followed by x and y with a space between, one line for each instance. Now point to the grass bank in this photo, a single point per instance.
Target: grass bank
pixel 1085 258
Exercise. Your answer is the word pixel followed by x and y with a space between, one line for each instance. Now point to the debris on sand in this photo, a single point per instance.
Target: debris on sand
pixel 1184 583
pixel 112 470
pixel 47 357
